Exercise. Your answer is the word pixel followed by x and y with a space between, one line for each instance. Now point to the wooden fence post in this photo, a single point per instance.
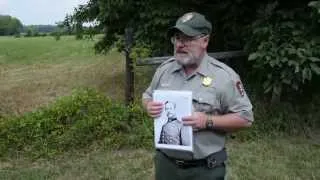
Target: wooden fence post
pixel 129 91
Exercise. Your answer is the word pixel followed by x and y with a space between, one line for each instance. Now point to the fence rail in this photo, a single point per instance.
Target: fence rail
pixel 217 55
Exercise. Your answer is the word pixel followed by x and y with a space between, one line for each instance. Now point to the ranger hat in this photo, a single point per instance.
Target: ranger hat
pixel 191 24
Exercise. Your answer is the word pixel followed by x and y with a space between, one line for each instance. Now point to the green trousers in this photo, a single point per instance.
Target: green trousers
pixel 166 169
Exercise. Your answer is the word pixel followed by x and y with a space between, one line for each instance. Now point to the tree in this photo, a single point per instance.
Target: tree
pixel 9 25
pixel 237 24
pixel 67 24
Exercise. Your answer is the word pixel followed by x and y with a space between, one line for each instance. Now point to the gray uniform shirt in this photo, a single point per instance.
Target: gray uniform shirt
pixel 173 132
pixel 223 93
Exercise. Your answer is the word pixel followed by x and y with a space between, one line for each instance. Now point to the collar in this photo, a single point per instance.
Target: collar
pixel 202 69
pixel 176 67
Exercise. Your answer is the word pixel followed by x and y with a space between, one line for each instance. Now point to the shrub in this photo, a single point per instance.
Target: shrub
pixel 88 117
pixel 73 122
pixel 284 49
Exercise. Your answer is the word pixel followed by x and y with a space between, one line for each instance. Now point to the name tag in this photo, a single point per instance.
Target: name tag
pixel 165 84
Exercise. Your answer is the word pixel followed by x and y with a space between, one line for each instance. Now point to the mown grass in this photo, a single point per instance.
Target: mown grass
pixel 36 71
pixel 283 158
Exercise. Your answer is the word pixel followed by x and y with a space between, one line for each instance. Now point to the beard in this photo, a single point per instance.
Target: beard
pixel 185 58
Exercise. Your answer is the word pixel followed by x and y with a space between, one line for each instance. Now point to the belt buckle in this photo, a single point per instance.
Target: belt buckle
pixel 211 163
pixel 179 163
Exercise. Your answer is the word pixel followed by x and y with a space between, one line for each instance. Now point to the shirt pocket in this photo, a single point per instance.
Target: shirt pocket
pixel 207 102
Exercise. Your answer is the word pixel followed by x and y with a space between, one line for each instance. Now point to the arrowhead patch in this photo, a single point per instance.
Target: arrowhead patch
pixel 240 88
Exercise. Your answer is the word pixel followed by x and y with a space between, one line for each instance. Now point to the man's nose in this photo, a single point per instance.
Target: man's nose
pixel 179 44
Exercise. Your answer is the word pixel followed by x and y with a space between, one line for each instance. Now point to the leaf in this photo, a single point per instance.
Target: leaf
pixel 297 69
pixel 286 81
pixel 277 88
pixel 306 74
pixel 300 54
pixel 288 24
pixel 295 86
pixel 291 51
pixel 267 89
pixel 253 56
pixel 313 4
pixel 315 68
pixel 285 59
pixel 314 59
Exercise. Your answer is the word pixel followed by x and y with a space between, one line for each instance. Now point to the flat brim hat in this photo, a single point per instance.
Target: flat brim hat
pixel 191 24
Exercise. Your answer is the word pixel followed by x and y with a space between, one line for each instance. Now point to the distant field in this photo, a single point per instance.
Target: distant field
pixel 39 50
pixel 35 71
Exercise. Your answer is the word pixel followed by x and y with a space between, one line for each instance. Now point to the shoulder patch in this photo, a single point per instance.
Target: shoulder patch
pixel 240 88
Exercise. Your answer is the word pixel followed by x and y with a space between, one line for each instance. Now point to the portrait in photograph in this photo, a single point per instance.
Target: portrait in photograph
pixel 170 133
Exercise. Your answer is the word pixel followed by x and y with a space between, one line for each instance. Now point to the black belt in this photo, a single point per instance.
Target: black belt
pixel 211 161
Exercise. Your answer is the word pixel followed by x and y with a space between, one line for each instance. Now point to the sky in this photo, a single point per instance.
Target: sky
pixel 31 12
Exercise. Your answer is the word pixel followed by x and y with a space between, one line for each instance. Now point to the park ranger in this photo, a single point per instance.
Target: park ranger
pixel 220 102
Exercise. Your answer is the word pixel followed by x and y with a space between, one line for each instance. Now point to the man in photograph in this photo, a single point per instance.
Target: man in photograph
pixel 172 131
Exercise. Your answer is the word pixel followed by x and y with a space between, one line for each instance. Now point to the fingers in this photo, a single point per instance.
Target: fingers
pixel 155 114
pixel 197 120
pixel 154 108
pixel 189 121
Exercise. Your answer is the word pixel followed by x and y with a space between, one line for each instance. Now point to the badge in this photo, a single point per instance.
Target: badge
pixel 240 88
pixel 186 17
pixel 207 81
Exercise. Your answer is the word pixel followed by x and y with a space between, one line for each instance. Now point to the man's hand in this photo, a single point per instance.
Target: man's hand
pixel 154 108
pixel 197 120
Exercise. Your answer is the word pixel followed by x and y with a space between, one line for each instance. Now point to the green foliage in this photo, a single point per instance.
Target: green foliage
pixel 282 37
pixel 9 26
pixel 88 117
pixel 316 6
pixel 40 28
pixel 149 19
pixel 284 49
pixel 32 31
pixel 282 119
pixel 57 36
pixel 72 122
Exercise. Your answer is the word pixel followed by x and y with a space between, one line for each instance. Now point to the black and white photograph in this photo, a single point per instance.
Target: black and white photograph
pixel 170 133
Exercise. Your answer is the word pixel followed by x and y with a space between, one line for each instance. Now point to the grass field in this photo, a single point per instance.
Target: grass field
pixel 35 71
pixel 289 158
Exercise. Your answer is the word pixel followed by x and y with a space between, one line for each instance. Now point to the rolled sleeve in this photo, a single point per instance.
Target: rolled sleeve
pixel 147 94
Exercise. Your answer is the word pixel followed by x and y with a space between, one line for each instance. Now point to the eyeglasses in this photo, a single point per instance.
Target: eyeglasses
pixel 186 40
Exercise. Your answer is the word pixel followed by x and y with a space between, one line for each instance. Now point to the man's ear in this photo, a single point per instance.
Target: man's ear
pixel 205 42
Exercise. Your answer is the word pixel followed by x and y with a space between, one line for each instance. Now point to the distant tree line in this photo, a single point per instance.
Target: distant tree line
pixel 11 26
pixel 71 26
pixel 40 28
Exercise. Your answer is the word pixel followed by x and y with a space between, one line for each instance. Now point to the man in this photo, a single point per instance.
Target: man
pixel 220 102
pixel 173 131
